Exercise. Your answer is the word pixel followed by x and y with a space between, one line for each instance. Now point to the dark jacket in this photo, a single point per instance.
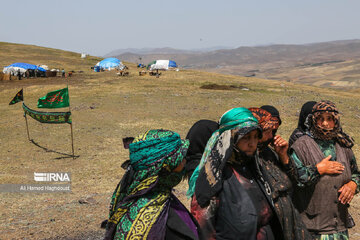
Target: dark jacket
pixel 292 225
pixel 234 216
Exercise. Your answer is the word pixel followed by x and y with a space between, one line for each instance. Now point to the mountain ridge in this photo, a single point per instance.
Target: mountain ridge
pixel 334 63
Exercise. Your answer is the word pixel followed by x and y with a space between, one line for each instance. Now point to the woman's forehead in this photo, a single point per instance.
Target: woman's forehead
pixel 252 133
pixel 325 114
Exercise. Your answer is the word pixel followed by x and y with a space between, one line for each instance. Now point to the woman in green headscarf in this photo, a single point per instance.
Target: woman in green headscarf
pixel 142 206
pixel 231 198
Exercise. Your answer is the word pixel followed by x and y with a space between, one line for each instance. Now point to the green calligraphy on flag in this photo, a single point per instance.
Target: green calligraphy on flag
pixel 48 117
pixel 55 99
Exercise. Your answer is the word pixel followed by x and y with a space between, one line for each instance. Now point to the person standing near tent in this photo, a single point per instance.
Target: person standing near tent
pixel 63 73
pixel 19 74
pixel 157 73
pixel 326 174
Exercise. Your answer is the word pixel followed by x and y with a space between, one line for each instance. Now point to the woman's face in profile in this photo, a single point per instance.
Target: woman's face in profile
pixel 248 143
pixel 267 135
pixel 180 167
pixel 325 120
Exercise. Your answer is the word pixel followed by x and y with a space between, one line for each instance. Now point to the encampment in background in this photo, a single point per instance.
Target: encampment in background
pixel 162 65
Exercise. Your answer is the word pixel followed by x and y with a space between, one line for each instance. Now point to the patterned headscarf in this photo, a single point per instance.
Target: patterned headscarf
pixel 155 148
pixel 327 134
pixel 208 175
pixel 266 120
pixel 273 111
pixel 146 186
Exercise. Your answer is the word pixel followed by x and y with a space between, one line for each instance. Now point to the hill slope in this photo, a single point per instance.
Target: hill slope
pixel 54 58
pixel 330 64
pixel 105 108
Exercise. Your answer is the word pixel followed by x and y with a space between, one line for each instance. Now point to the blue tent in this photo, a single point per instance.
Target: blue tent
pixel 109 63
pixel 26 66
pixel 172 64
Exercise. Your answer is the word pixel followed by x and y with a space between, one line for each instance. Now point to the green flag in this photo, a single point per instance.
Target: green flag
pixel 48 117
pixel 55 99
pixel 18 98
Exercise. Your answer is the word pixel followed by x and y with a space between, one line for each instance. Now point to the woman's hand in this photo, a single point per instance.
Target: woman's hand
pixel 329 167
pixel 281 146
pixel 347 192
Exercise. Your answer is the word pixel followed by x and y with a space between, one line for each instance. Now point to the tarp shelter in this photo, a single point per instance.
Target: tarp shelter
pixel 108 64
pixel 44 67
pixel 23 67
pixel 162 65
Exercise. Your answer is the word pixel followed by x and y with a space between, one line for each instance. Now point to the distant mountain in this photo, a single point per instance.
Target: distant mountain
pixel 315 63
pixel 148 51
pixel 210 49
pixel 290 54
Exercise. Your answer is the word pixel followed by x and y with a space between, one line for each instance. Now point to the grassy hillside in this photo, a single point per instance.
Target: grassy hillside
pixel 54 58
pixel 330 64
pixel 340 74
pixel 105 109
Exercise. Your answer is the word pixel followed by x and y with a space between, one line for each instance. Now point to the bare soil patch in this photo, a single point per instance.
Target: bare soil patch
pixel 215 86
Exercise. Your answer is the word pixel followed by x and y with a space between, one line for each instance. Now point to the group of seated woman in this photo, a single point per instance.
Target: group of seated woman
pixel 245 181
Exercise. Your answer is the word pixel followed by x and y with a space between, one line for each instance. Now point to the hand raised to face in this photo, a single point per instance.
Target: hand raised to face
pixel 281 146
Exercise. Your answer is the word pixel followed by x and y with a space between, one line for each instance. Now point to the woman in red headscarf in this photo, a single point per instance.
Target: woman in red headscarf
pixel 273 161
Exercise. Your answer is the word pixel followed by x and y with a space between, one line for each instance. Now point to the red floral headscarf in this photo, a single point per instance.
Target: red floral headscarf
pixel 266 120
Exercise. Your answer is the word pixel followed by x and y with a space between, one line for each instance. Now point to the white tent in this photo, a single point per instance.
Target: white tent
pixel 162 65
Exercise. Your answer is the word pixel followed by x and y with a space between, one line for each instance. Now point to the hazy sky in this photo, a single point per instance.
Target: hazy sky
pixel 98 27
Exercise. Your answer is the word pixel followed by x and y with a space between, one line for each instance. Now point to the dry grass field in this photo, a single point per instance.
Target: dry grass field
pixel 334 64
pixel 339 75
pixel 105 109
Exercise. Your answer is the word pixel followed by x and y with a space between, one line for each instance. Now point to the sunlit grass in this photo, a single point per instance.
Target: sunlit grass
pixel 105 109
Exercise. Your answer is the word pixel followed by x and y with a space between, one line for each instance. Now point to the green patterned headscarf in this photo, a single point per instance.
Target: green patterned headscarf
pixel 240 119
pixel 146 186
pixel 155 148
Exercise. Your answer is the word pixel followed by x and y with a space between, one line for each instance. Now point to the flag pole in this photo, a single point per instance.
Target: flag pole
pixel 27 127
pixel 72 140
pixel 71 129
